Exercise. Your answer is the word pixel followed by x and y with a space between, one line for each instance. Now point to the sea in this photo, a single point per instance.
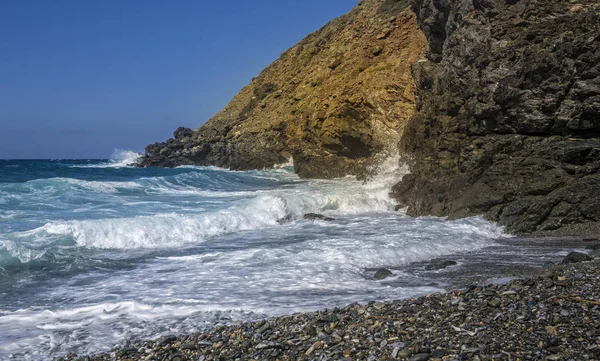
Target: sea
pixel 97 253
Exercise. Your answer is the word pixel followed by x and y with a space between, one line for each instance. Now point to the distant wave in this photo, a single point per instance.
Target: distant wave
pixel 118 159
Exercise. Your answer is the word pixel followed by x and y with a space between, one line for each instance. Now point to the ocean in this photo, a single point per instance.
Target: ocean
pixel 94 253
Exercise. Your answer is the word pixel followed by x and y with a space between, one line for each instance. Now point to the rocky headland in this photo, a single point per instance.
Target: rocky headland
pixel 495 105
pixel 333 102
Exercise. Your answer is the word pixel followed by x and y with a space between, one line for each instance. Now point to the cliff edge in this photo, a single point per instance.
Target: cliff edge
pixel 508 121
pixel 332 102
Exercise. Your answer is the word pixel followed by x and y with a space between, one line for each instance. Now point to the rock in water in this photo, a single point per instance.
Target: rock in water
pixel 316 217
pixel 332 102
pixel 383 273
pixel 439 264
pixel 576 257
pixel 508 121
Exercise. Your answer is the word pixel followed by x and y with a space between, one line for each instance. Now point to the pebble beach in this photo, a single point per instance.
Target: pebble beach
pixel 549 314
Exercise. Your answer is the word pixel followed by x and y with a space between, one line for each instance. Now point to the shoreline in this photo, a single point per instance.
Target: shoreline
pixel 550 313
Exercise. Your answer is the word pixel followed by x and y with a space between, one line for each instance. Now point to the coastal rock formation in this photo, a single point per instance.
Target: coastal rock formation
pixel 508 121
pixel 332 102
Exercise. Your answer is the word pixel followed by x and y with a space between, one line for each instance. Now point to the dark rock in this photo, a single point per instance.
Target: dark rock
pixel 317 217
pixel 438 353
pixel 439 264
pixel 266 327
pixel 165 340
pixel 383 273
pixel 508 121
pixel 183 132
pixel 189 346
pixel 495 303
pixel 419 357
pixel 576 257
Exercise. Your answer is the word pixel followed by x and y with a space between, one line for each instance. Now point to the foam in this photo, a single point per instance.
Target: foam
pixel 214 246
pixel 164 230
pixel 59 331
pixel 119 158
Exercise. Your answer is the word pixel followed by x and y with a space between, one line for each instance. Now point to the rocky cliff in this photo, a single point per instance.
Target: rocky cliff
pixel 332 102
pixel 508 121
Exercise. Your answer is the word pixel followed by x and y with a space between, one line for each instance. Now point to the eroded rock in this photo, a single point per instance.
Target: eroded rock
pixel 508 121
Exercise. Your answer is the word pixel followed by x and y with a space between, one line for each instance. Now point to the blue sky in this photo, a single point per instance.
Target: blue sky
pixel 80 78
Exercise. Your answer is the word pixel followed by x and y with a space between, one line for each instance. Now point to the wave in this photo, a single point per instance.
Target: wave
pixel 247 201
pixel 119 158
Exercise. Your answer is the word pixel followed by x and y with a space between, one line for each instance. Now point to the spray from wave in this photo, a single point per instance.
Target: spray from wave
pixel 124 158
pixel 118 159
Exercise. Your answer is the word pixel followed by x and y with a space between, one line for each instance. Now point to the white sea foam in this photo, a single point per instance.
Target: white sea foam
pixel 264 276
pixel 119 158
pixel 101 187
pixel 164 230
pixel 260 209
pixel 215 246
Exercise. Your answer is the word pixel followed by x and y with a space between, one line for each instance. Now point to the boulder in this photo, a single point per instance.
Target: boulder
pixel 439 264
pixel 576 257
pixel 383 273
pixel 316 217
pixel 183 132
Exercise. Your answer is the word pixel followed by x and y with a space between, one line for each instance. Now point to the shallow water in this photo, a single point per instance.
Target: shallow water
pixel 93 253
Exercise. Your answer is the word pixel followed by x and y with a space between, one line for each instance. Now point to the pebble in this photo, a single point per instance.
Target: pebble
pixel 528 319
pixel 419 357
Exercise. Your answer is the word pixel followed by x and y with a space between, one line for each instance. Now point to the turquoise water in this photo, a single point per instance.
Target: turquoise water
pixel 95 252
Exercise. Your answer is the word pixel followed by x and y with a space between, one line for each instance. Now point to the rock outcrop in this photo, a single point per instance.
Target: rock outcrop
pixel 508 121
pixel 332 102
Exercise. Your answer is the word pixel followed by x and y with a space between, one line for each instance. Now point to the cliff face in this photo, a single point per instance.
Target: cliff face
pixel 332 102
pixel 508 121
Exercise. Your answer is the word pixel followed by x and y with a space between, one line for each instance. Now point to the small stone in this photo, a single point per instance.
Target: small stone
pixel 404 354
pixel 576 8
pixel 266 327
pixel 420 357
pixel 438 353
pixel 495 303
pixel 167 340
pixel 312 348
pixel 268 345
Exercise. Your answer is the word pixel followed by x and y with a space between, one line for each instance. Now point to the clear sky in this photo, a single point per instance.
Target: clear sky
pixel 81 78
